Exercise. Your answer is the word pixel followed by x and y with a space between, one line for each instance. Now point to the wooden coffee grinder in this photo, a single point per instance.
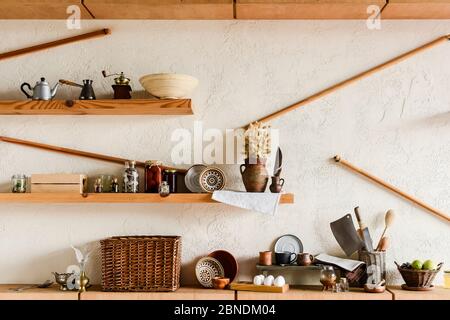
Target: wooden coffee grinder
pixel 121 87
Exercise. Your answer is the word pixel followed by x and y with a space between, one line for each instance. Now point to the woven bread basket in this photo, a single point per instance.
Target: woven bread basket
pixel 141 263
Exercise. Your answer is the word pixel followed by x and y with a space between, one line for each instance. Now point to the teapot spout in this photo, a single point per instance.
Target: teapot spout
pixel 55 89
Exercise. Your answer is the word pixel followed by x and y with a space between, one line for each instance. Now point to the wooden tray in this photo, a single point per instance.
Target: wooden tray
pixel 248 286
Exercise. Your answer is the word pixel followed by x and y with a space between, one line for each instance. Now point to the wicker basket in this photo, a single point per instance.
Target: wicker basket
pixel 418 278
pixel 141 263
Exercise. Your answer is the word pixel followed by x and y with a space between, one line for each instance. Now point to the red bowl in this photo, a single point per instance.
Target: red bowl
pixel 228 262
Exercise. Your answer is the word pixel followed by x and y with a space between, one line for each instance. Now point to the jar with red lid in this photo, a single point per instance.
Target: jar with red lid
pixel 153 176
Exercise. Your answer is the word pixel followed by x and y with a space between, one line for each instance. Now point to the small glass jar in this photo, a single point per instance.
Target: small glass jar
pixel 19 183
pixel 164 189
pixel 343 282
pixel 170 176
pixel 447 279
pixel 115 185
pixel 153 176
pixel 328 277
pixel 98 185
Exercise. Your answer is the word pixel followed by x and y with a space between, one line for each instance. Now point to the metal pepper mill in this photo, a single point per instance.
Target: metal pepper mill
pixel 121 87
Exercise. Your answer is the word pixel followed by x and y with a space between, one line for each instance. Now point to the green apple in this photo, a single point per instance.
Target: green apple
pixel 429 265
pixel 416 264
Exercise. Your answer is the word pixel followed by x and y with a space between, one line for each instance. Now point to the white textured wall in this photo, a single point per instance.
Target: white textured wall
pixel 396 124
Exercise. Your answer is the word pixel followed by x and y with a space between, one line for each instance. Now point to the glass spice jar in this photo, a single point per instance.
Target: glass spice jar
pixel 164 189
pixel 153 176
pixel 170 176
pixel 130 178
pixel 19 183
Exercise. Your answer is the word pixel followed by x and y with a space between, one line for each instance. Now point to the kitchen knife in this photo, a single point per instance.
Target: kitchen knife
pixel 364 231
pixel 278 163
pixel 345 233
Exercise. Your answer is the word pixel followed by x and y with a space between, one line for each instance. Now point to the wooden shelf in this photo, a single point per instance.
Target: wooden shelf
pixel 314 293
pixel 438 293
pixel 184 293
pixel 417 9
pixel 304 9
pixel 287 198
pixel 39 9
pixel 161 9
pixel 51 293
pixel 96 107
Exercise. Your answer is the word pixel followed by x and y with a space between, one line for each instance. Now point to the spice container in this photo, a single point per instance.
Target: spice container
pixel 164 189
pixel 153 176
pixel 170 176
pixel 19 183
pixel 115 185
pixel 98 186
pixel 130 178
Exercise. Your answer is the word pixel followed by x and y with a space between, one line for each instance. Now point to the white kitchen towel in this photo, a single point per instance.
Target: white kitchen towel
pixel 266 203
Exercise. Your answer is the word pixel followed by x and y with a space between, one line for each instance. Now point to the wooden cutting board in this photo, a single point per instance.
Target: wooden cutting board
pixel 248 286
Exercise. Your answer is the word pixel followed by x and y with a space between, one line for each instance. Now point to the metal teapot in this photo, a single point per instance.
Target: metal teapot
pixel 41 91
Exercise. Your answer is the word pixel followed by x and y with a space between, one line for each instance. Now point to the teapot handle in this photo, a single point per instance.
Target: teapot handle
pixel 23 90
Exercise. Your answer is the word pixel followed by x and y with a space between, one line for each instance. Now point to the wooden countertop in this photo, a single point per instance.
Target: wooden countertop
pixel 438 293
pixel 51 293
pixel 184 293
pixel 314 293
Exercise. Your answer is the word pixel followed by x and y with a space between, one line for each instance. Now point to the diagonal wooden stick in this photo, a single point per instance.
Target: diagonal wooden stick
pixel 392 188
pixel 78 153
pixel 55 43
pixel 353 79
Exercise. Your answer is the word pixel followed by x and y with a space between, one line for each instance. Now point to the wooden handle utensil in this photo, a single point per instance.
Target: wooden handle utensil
pixel 70 83
pixel 390 187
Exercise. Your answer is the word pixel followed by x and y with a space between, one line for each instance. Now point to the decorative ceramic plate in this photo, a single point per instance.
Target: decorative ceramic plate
pixel 229 263
pixel 212 179
pixel 192 178
pixel 206 269
pixel 289 243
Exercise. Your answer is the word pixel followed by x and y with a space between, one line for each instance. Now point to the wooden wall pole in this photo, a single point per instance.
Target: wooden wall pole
pixel 56 43
pixel 78 153
pixel 390 187
pixel 353 79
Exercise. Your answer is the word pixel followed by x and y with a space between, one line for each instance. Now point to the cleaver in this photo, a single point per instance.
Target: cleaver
pixel 345 233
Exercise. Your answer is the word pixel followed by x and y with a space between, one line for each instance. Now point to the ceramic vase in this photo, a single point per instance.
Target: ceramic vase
pixel 254 175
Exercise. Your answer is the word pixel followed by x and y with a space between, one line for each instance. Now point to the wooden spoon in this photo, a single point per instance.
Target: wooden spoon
pixel 384 244
pixel 388 221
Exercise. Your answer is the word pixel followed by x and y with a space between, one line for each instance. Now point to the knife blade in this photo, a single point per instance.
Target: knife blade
pixel 364 231
pixel 278 163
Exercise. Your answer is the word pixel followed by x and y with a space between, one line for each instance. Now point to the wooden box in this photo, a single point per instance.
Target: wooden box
pixel 58 182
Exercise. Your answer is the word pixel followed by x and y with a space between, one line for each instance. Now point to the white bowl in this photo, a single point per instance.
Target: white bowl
pixel 169 85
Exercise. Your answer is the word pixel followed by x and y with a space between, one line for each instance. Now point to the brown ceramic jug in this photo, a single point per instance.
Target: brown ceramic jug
pixel 254 175
pixel 277 184
pixel 305 259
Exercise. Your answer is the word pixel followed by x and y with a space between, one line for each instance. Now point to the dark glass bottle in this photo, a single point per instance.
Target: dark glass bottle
pixel 153 176
pixel 170 176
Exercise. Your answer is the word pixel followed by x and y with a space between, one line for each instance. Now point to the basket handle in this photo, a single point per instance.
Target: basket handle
pixel 397 265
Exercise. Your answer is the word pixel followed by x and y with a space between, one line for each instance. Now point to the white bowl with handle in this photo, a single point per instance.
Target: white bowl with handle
pixel 169 85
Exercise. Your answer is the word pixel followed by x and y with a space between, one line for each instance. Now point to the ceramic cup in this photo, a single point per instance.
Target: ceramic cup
pixel 285 257
pixel 305 259
pixel 265 258
pixel 220 282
